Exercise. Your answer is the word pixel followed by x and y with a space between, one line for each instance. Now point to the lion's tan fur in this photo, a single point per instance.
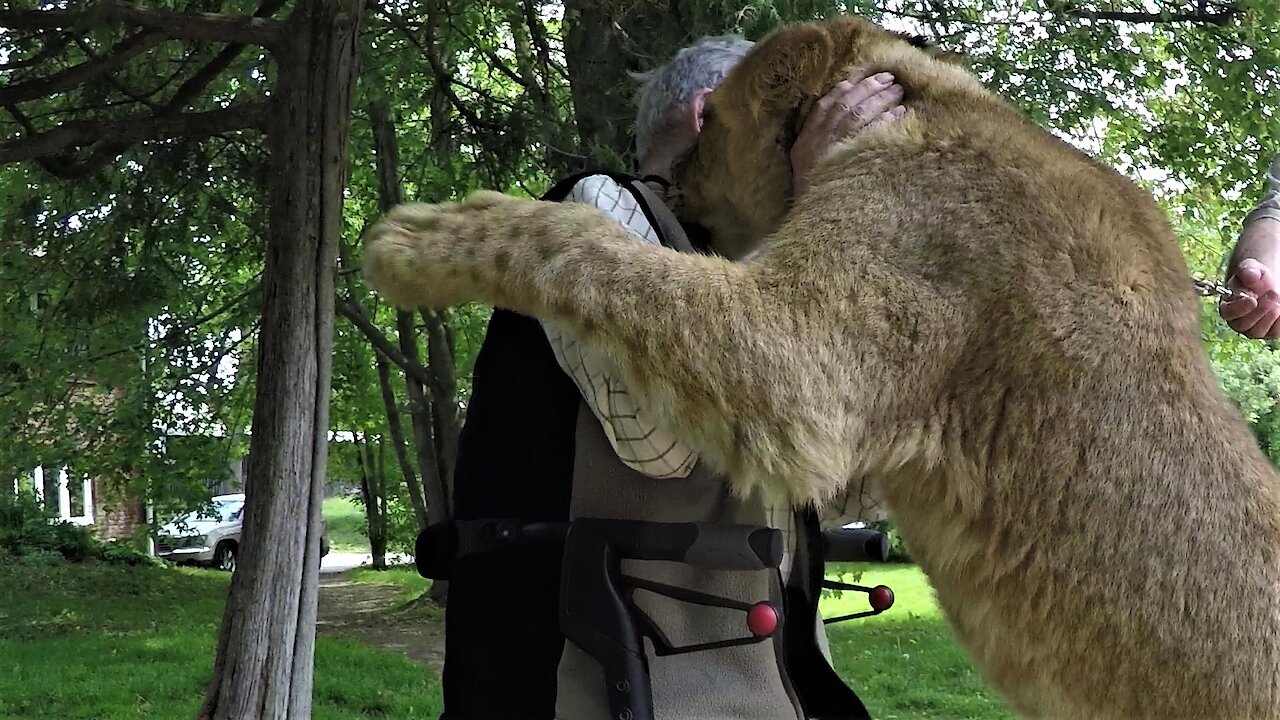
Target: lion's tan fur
pixel 997 329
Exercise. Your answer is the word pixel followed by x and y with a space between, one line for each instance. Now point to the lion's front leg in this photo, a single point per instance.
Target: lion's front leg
pixel 422 255
pixel 701 339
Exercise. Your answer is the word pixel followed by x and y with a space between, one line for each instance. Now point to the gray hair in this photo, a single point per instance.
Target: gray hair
pixel 669 87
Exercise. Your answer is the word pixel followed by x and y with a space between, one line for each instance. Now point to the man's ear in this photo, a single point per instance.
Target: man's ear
pixel 785 67
pixel 696 106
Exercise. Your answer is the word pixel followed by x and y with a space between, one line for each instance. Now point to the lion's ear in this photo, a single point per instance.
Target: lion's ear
pixel 951 57
pixel 785 67
pixel 929 47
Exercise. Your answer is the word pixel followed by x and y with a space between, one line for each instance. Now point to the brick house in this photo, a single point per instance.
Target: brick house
pixel 88 502
pixel 95 503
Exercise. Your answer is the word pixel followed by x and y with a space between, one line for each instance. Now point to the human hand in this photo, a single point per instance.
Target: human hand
pixel 1255 311
pixel 1253 274
pixel 859 102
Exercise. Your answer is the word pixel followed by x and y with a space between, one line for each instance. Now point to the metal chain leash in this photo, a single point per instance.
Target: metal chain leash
pixel 1209 288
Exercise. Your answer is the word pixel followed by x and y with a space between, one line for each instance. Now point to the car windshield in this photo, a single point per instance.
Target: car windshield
pixel 228 510
pixel 223 511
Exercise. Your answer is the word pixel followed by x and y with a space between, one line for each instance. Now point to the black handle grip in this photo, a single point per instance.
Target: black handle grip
pixel 708 545
pixel 735 547
pixel 855 545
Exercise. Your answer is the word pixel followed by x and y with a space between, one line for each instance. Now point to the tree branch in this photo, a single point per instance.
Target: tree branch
pixel 211 27
pixel 53 44
pixel 444 77
pixel 84 72
pixel 81 133
pixel 194 85
pixel 381 344
pixel 1229 13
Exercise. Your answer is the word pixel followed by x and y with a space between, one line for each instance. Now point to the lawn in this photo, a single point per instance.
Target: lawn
pixel 107 642
pixel 904 663
pixel 405 577
pixel 345 520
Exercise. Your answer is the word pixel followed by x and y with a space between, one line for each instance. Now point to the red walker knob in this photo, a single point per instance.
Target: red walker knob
pixel 762 619
pixel 881 598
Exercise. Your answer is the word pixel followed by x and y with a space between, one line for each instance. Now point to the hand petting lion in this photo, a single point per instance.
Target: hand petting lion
pixel 994 327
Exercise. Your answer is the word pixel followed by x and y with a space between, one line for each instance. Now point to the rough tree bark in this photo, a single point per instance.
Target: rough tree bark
pixel 264 663
pixel 438 418
pixel 598 83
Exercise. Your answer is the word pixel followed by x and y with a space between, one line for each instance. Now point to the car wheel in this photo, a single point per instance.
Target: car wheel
pixel 224 557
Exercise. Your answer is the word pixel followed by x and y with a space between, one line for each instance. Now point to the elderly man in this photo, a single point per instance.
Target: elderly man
pixel 1254 267
pixel 551 434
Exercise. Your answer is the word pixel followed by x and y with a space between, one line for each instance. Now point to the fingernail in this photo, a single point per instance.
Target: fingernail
pixel 896 90
pixel 884 78
pixel 899 111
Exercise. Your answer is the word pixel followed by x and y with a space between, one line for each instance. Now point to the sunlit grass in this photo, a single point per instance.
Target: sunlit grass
pixel 104 642
pixel 904 663
pixel 345 521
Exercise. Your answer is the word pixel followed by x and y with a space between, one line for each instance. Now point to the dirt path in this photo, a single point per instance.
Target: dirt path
pixel 371 614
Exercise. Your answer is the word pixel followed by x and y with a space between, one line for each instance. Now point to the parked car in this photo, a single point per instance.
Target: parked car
pixel 212 540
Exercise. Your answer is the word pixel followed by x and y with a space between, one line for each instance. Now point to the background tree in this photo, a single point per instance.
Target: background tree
pixel 264 660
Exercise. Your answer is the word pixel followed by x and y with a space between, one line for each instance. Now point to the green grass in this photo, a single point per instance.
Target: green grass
pixel 405 577
pixel 904 663
pixel 345 520
pixel 108 642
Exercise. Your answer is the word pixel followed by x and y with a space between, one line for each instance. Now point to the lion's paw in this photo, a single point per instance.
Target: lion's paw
pixel 412 257
pixel 422 255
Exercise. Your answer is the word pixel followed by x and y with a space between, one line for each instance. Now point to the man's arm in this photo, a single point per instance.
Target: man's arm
pixel 1255 267
pixel 636 439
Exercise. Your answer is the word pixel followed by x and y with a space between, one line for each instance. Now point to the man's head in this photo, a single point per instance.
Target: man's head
pixel 737 181
pixel 669 100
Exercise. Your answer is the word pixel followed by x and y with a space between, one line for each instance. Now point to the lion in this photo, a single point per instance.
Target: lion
pixel 993 327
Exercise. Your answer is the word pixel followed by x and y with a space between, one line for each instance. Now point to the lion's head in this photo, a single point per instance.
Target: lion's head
pixel 736 181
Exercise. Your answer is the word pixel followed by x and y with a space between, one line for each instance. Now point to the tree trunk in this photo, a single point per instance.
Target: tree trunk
pixel 446 415
pixel 386 151
pixel 265 654
pixel 421 407
pixel 378 506
pixel 426 441
pixel 397 438
pixel 598 82
pixel 378 539
pixel 373 490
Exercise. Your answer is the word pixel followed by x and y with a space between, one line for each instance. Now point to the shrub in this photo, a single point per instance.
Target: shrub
pixel 897 549
pixel 35 557
pixel 122 553
pixel 27 533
